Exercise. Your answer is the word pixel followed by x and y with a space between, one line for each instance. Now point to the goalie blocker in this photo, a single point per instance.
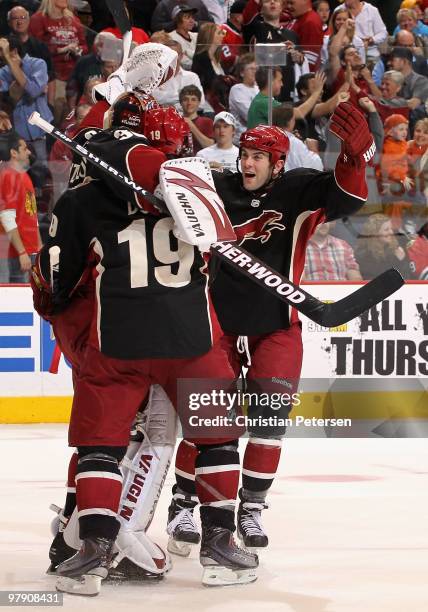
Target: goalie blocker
pixel 327 315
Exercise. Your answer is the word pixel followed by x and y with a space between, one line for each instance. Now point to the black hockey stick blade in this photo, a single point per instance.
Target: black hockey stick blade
pixel 362 299
pixel 120 16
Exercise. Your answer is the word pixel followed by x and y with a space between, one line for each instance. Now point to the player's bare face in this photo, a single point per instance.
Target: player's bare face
pixel 256 169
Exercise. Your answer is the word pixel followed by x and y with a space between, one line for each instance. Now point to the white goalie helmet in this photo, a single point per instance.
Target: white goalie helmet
pixel 149 66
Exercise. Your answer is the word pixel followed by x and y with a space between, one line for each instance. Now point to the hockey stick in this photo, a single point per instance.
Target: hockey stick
pixel 327 315
pixel 121 19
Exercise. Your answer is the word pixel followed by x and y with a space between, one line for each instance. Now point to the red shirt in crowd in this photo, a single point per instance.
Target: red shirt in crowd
pixel 17 191
pixel 308 28
pixel 139 36
pixel 56 34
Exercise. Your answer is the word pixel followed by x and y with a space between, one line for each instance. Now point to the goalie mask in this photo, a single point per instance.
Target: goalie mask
pixel 166 130
pixel 130 111
pixel 270 139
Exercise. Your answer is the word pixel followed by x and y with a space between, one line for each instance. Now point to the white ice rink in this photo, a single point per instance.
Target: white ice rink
pixel 348 526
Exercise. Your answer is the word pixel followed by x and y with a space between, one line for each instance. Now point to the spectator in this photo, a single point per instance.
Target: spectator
pixel 88 66
pixel 223 154
pixel 347 66
pixel 310 112
pixel 57 26
pixel 18 211
pixel 329 258
pixel 5 122
pixel 379 249
pixel 418 253
pixel 233 39
pixel 242 94
pixel 392 83
pixel 416 149
pixel 7 5
pixel 26 79
pixel 201 127
pixel 265 27
pixel 394 167
pixel 407 20
pixel 322 7
pixel 415 86
pixel 342 34
pixel 259 107
pixel 217 10
pixel 307 25
pixel 300 155
pixel 168 93
pixel 206 61
pixel 18 19
pixel 162 15
pixel 404 39
pixel 368 26
pixel 184 18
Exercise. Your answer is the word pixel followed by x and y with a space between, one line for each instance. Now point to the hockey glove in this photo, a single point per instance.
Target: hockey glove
pixel 358 149
pixel 42 297
pixel 350 125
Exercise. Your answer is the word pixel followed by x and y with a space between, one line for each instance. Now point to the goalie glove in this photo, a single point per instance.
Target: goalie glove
pixel 358 149
pixel 149 66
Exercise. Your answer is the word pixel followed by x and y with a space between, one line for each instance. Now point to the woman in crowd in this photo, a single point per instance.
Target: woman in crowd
pixel 379 249
pixel 206 61
pixel 342 28
pixel 57 26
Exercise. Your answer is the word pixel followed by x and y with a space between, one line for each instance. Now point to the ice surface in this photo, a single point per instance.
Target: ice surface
pixel 348 526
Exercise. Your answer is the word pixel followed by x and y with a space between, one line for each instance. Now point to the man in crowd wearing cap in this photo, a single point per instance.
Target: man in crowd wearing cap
pixel 162 16
pixel 184 18
pixel 415 86
pixel 233 39
pixel 223 154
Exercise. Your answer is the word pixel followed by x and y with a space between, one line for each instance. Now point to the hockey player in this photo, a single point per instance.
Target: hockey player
pixel 274 215
pixel 152 323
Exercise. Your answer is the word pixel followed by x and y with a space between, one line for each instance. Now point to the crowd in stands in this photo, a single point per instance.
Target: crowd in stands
pixel 54 52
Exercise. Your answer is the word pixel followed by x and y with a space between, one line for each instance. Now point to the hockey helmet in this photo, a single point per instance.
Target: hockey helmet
pixel 166 130
pixel 129 110
pixel 268 138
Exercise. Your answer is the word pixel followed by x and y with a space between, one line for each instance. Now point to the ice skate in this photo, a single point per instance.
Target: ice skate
pixel 127 571
pixel 250 529
pixel 182 527
pixel 82 574
pixel 223 561
pixel 59 551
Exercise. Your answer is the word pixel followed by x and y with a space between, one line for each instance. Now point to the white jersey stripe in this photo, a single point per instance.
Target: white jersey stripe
pixel 258 474
pixel 265 442
pixel 94 474
pixel 102 511
pixel 215 469
pixel 184 474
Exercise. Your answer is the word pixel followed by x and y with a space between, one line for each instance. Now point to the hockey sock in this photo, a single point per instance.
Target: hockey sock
pixel 260 464
pixel 217 480
pixel 70 499
pixel 185 468
pixel 98 492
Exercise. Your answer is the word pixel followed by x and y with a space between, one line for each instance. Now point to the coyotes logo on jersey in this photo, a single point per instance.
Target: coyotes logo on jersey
pixel 259 228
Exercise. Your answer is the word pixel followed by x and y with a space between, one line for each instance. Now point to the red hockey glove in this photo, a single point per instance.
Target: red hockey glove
pixel 42 298
pixel 350 125
pixel 358 149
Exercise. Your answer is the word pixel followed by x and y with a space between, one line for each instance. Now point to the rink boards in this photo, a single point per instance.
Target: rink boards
pixel 376 366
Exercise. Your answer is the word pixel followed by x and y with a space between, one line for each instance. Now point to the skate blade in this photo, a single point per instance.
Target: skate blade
pixel 183 549
pixel 89 585
pixel 217 575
